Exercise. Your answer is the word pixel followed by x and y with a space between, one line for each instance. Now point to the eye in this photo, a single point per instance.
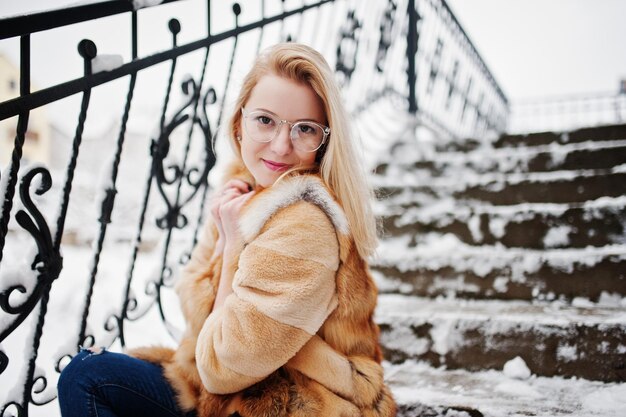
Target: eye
pixel 306 129
pixel 264 120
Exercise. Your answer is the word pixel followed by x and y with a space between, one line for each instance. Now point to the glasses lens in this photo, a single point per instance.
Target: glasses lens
pixel 260 126
pixel 306 136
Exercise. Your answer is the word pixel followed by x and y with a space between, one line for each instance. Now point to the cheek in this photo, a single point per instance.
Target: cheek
pixel 249 153
pixel 307 158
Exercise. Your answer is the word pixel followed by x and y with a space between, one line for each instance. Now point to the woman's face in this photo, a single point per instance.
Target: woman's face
pixel 287 100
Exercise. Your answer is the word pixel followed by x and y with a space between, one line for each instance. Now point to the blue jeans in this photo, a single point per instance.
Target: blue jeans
pixel 112 384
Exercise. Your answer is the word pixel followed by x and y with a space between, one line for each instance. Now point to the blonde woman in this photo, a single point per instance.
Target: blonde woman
pixel 277 296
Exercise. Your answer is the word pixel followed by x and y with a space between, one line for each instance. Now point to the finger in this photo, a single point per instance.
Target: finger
pixel 221 192
pixel 229 195
pixel 247 196
pixel 237 203
pixel 242 186
pixel 226 196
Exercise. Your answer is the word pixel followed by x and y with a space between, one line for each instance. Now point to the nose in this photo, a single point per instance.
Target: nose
pixel 281 145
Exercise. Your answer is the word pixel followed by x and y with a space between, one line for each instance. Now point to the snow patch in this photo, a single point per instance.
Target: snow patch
pixel 609 400
pixel 558 153
pixel 474 226
pixel 497 226
pixel 516 368
pixel 500 284
pixel 445 337
pixel 614 300
pixel 557 236
pixel 403 339
pixel 141 4
pixel 106 63
pixel 4 182
pixel 567 353
pixel 582 302
pixel 517 388
pixel 620 169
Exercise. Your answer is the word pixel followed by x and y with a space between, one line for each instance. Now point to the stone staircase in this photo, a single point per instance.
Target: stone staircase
pixel 514 247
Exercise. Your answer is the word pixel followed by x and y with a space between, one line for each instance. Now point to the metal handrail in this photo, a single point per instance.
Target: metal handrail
pixel 477 56
pixel 27 24
pixel 40 98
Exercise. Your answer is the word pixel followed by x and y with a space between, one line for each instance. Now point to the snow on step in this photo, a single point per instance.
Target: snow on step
pixel 443 265
pixel 553 338
pixel 436 251
pixel 464 181
pixel 586 155
pixel 506 189
pixel 598 133
pixel 418 386
pixel 532 225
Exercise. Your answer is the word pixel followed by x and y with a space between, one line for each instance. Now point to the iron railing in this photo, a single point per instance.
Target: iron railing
pixel 567 113
pixel 97 275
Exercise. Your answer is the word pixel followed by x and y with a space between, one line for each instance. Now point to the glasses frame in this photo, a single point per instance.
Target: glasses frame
pixel 325 129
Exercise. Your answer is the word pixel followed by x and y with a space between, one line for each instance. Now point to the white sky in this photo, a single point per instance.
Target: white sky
pixel 534 48
pixel 538 48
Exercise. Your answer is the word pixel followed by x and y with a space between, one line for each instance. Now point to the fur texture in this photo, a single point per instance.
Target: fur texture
pixel 297 336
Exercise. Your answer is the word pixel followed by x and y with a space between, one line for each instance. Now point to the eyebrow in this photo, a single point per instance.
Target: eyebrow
pixel 274 114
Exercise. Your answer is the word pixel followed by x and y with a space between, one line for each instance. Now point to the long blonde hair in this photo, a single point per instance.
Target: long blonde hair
pixel 340 168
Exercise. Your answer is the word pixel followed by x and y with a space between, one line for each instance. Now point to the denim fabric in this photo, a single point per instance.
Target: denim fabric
pixel 109 384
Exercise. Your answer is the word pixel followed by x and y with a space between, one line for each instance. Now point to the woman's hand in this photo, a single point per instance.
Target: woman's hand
pixel 225 209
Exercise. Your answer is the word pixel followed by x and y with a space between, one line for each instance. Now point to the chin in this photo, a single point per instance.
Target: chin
pixel 264 179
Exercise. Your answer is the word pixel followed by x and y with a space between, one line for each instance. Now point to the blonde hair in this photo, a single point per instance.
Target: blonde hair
pixel 339 167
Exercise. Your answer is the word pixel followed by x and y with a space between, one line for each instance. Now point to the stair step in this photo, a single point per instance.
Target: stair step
pixel 600 133
pixel 424 391
pixel 445 266
pixel 586 155
pixel 560 190
pixel 554 339
pixel 536 226
pixel 508 189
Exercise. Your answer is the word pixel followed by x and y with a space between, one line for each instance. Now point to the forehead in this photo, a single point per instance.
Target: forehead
pixel 286 98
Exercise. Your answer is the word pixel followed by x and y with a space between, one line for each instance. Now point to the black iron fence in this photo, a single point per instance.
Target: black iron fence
pixel 91 247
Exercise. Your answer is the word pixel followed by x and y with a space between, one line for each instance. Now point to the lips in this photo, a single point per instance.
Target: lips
pixel 276 166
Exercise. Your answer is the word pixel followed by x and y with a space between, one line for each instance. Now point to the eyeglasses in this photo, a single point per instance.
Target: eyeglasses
pixel 262 126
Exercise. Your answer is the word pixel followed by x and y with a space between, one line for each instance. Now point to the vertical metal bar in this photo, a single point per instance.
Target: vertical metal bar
pixel 29 383
pixel 411 51
pixel 20 136
pixel 237 11
pixel 134 34
pixel 25 65
pixel 177 204
pixel 205 184
pixel 107 208
pixel 394 60
pixel 88 51
pixel 128 303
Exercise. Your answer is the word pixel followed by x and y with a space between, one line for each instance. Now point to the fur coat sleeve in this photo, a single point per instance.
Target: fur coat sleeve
pixel 283 291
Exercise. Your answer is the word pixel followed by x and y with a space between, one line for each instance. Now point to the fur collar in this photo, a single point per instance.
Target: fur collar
pixel 287 191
